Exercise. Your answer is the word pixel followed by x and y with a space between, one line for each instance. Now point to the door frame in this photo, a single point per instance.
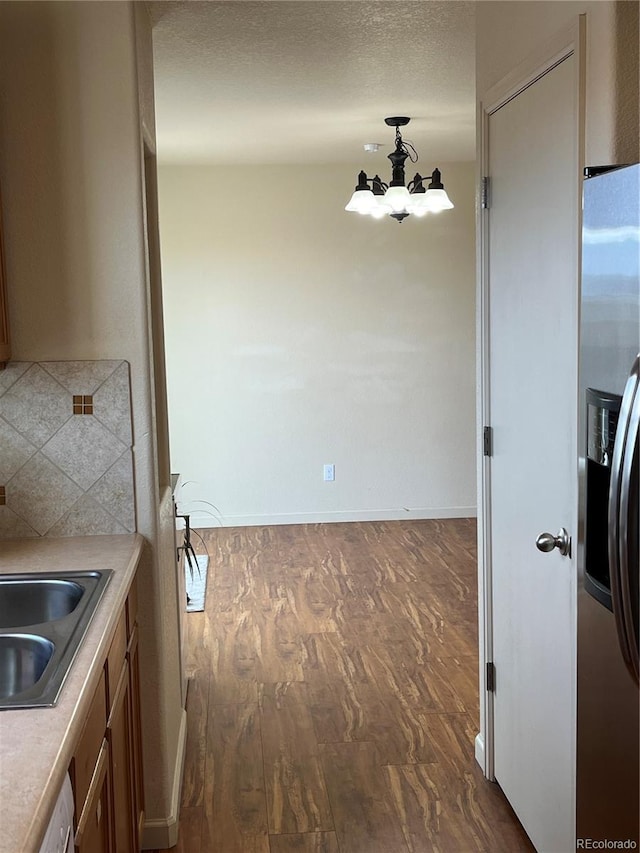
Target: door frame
pixel 570 41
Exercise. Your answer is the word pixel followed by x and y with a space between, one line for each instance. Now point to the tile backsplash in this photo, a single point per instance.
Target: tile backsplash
pixel 66 466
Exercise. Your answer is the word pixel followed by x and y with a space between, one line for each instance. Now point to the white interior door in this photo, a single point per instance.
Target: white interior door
pixel 533 251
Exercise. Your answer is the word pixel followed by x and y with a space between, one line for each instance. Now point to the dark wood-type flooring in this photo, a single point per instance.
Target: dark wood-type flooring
pixel 333 699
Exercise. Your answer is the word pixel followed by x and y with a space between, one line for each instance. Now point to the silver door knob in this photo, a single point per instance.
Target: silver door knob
pixel 547 542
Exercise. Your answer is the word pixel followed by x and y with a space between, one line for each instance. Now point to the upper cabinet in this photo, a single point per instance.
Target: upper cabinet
pixel 5 349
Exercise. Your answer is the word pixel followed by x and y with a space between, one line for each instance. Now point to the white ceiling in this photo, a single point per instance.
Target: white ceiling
pixel 310 81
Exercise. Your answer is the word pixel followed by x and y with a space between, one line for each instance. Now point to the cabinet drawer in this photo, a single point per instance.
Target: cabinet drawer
pixel 115 659
pixel 86 754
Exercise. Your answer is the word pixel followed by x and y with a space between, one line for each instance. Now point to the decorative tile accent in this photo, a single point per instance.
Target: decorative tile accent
pixel 41 494
pixel 15 451
pixel 3 496
pixel 64 475
pixel 36 405
pixel 82 404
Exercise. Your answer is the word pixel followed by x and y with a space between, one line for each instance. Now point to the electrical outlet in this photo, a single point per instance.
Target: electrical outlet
pixel 329 473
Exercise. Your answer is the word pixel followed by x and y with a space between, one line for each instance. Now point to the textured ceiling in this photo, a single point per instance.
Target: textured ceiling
pixel 310 81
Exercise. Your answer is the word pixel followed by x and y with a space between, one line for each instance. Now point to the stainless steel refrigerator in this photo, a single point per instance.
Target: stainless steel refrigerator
pixel 608 748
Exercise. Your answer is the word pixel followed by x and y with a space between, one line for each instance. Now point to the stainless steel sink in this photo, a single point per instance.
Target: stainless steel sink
pixel 29 602
pixel 43 619
pixel 23 660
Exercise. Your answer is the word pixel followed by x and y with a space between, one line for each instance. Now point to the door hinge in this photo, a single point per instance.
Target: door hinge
pixel 485 186
pixel 491 678
pixel 487 441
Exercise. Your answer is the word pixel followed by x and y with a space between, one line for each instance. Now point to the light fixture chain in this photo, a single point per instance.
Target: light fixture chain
pixel 407 147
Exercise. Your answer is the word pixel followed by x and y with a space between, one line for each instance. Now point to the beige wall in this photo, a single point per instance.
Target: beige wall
pixel 299 334
pixel 71 177
pixel 508 31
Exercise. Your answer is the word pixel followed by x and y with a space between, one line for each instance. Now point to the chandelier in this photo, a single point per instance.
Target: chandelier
pixel 395 199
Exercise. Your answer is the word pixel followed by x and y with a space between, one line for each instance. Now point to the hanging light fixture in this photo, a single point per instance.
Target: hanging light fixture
pixel 395 199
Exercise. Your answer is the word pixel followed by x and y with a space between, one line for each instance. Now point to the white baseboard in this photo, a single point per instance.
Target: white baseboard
pixel 201 519
pixel 162 833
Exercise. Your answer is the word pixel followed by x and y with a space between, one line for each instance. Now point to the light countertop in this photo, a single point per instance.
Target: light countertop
pixel 36 745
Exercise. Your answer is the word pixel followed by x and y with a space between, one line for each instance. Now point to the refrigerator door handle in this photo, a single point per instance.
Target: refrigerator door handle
pixel 620 501
pixel 628 532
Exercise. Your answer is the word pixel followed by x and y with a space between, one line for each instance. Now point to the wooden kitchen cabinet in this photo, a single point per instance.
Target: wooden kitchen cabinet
pixel 124 731
pixel 82 768
pixel 136 735
pixel 91 779
pixel 106 770
pixel 93 833
pixel 115 659
pixel 120 741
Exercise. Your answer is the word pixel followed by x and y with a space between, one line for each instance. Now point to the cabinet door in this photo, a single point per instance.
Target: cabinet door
pixel 136 735
pixel 83 764
pixel 115 660
pixel 119 736
pixel 93 834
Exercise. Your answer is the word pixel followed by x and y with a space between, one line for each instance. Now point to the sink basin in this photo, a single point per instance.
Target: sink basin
pixel 23 660
pixel 43 619
pixel 34 600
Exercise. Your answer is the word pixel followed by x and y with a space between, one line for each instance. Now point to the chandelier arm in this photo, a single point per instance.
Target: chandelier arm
pixel 377 180
pixel 435 181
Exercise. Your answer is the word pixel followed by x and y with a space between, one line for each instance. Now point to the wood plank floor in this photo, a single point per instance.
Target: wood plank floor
pixel 333 698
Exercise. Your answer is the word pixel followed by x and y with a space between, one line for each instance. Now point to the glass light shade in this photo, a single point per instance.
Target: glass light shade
pixel 397 198
pixel 418 205
pixel 380 208
pixel 437 200
pixel 362 201
pixel 379 211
